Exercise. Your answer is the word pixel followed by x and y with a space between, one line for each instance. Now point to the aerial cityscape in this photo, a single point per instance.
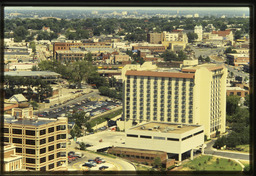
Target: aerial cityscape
pixel 98 89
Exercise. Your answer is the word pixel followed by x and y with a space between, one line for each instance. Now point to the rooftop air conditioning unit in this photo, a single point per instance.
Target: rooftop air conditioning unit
pixel 143 127
pixel 150 129
pixel 179 126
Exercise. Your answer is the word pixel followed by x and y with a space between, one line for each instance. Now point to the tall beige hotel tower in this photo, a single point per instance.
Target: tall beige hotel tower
pixel 191 94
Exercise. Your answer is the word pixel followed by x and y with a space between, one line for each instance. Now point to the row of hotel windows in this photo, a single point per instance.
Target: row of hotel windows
pixel 32 142
pixel 163 138
pixel 32 132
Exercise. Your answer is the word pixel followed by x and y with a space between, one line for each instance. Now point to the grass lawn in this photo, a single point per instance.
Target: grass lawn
pixel 104 118
pixel 210 163
pixel 245 148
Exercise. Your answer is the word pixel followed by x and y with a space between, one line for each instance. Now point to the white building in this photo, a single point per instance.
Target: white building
pixel 195 94
pixel 199 31
pixel 172 138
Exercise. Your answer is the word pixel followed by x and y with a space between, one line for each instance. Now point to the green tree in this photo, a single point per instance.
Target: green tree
pixel 33 46
pixel 20 33
pixel 247 100
pixel 191 36
pixel 232 104
pixel 207 59
pixel 223 27
pixel 230 50
pixel 169 55
pixel 157 162
pixel 81 71
pixel 181 55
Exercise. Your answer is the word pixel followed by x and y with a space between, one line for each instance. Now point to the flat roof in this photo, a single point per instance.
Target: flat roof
pixel 160 74
pixel 31 73
pixel 25 122
pixel 210 67
pixel 165 127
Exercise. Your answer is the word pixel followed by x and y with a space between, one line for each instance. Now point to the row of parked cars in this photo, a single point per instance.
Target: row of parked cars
pixel 93 163
pixel 73 156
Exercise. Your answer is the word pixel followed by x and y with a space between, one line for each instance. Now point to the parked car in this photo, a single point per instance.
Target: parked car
pixel 87 164
pixel 71 153
pixel 103 167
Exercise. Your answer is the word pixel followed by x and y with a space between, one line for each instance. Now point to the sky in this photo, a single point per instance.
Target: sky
pixel 129 8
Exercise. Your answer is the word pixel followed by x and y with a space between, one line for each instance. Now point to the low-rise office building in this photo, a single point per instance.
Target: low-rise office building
pixel 40 141
pixel 173 138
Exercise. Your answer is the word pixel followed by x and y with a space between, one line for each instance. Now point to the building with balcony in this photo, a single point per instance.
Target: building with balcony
pixel 193 94
pixel 41 142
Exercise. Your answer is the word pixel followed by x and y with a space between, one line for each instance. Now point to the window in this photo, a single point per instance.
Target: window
pixel 30 132
pixel 131 135
pixel 42 160
pixel 16 131
pixel 43 150
pixel 50 139
pixel 198 132
pixel 172 139
pixel 50 130
pixel 42 132
pixel 239 93
pixel 159 138
pixel 50 148
pixel 6 139
pixel 42 141
pixel 30 160
pixel 6 130
pixel 18 150
pixel 51 157
pixel 51 166
pixel 186 137
pixel 30 151
pixel 17 140
pixel 146 137
pixel 43 168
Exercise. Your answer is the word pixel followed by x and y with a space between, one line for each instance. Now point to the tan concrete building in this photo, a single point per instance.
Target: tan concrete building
pixel 173 138
pixel 40 141
pixel 195 94
pixel 12 162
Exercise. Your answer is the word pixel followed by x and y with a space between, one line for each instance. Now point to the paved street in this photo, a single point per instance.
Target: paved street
pixel 228 154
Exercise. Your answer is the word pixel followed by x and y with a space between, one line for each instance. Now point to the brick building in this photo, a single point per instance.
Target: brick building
pixel 142 156
pixel 153 49
pixel 238 59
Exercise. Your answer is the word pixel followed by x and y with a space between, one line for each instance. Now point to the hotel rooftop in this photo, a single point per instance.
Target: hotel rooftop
pixel 165 127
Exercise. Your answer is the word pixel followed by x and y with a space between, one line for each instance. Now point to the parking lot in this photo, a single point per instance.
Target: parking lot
pixel 86 159
pixel 91 108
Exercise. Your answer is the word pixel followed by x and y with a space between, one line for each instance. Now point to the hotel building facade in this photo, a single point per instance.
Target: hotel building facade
pixel 193 94
pixel 40 141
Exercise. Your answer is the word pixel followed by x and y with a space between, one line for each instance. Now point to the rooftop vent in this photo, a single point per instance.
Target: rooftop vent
pixel 150 129
pixel 156 127
pixel 179 126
